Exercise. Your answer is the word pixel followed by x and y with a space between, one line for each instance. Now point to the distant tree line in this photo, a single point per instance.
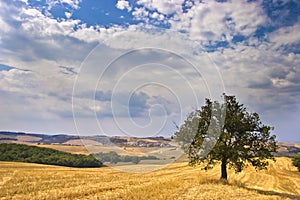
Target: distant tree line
pixel 113 158
pixel 41 155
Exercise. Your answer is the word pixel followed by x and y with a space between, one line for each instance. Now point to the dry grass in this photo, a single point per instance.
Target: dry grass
pixel 177 181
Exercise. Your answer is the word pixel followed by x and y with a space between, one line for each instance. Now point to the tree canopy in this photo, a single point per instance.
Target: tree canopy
pixel 227 134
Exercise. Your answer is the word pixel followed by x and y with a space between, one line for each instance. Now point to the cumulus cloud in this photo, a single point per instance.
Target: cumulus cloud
pixel 220 21
pixel 158 16
pixel 68 14
pixel 72 3
pixel 123 4
pixel 163 7
pixel 32 36
pixel 265 79
pixel 140 14
pixel 285 36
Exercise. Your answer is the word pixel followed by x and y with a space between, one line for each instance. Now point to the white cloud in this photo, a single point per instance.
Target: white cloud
pixel 164 7
pixel 123 4
pixel 220 21
pixel 34 97
pixel 262 77
pixel 73 3
pixel 96 33
pixel 27 35
pixel 68 15
pixel 285 36
pixel 5 27
pixel 140 14
pixel 13 80
pixel 34 22
pixel 280 83
pixel 157 16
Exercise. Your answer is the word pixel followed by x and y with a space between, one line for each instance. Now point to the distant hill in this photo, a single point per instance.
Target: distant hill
pixel 21 137
pixel 287 149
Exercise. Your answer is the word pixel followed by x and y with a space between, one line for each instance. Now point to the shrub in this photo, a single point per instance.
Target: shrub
pixel 114 158
pixel 296 161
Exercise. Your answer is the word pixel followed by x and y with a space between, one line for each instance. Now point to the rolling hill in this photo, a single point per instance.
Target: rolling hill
pixel 63 142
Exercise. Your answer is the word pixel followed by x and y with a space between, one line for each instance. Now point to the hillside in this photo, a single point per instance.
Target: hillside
pixel 21 137
pixel 288 149
pixel 93 140
pixel 34 154
pixel 177 181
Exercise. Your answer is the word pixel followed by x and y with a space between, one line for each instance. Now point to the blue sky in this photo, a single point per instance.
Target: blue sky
pixel 135 67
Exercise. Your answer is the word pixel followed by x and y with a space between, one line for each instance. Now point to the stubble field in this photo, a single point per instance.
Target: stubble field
pixel 176 181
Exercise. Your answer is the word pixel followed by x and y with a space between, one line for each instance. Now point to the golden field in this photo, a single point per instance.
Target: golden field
pixel 176 181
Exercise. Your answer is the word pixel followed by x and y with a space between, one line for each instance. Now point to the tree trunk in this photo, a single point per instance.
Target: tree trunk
pixel 224 170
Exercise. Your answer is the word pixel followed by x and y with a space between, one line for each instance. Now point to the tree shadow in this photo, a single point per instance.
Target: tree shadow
pixel 266 192
pixel 242 185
